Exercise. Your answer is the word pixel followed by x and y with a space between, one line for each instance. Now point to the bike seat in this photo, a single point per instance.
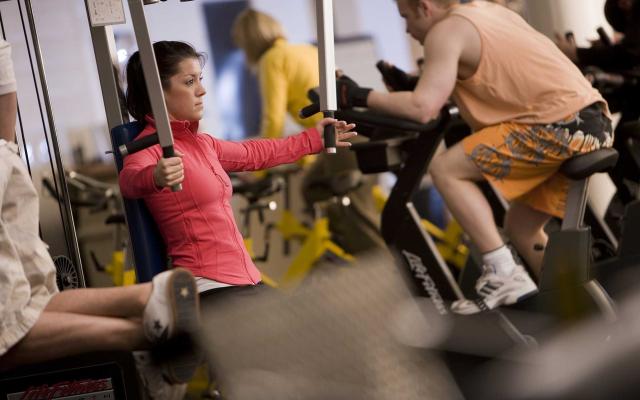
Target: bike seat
pixel 338 185
pixel 255 191
pixel 585 165
pixel 629 130
pixel 345 182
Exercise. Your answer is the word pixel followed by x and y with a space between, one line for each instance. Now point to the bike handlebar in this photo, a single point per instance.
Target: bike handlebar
pixel 376 119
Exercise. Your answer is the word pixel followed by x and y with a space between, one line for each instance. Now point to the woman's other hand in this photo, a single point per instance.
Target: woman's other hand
pixel 169 171
pixel 343 130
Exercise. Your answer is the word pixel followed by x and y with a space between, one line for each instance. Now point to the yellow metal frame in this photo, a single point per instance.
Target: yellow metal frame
pixel 120 275
pixel 316 241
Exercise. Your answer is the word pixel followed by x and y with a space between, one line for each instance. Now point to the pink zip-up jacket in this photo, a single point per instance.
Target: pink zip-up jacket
pixel 197 223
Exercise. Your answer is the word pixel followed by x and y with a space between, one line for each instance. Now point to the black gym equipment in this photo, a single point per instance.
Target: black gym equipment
pixel 615 234
pixel 94 375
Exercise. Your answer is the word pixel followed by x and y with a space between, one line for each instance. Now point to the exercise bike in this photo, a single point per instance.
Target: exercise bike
pixel 315 239
pixel 567 290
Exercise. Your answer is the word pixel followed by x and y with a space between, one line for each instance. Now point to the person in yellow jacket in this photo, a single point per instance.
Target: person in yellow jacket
pixel 286 72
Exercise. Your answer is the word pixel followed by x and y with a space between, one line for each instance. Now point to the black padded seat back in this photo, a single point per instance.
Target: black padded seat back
pixel 585 165
pixel 149 250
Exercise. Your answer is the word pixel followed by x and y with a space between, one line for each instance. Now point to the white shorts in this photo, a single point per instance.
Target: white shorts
pixel 7 77
pixel 27 273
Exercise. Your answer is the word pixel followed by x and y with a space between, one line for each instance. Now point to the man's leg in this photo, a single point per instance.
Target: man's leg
pixel 502 280
pixel 168 307
pixel 525 228
pixel 63 334
pixel 454 175
pixel 124 302
pixel 111 319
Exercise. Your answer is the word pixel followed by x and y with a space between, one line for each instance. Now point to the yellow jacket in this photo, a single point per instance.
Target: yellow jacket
pixel 286 72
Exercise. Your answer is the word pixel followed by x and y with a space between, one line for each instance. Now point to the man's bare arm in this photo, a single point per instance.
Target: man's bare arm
pixel 442 51
pixel 8 98
pixel 8 110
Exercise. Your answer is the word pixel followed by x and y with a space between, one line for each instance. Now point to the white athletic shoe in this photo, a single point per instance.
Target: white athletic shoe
pixel 156 386
pixel 173 307
pixel 496 290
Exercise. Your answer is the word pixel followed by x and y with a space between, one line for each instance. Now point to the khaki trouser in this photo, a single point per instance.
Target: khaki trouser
pixel 27 272
pixel 7 78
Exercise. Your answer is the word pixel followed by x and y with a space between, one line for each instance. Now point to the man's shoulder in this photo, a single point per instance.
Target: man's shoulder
pixel 451 28
pixel 453 24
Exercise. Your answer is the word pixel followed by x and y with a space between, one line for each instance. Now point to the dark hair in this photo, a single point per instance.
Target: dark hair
pixel 168 55
pixel 622 20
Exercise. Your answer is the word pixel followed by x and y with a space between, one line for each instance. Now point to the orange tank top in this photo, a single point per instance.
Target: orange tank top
pixel 522 75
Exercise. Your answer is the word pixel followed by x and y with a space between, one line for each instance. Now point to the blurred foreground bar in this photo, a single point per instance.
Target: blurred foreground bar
pixel 333 338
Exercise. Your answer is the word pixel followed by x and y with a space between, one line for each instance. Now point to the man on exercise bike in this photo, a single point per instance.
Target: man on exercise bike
pixel 530 109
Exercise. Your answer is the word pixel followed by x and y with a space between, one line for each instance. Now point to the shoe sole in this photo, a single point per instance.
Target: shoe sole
pixel 526 296
pixel 184 306
pixel 186 316
pixel 508 300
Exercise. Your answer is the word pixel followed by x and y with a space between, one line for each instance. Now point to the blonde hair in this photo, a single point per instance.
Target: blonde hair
pixel 255 32
pixel 443 3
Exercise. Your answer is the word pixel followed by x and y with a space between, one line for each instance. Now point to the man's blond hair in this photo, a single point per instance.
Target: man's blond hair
pixel 255 32
pixel 443 3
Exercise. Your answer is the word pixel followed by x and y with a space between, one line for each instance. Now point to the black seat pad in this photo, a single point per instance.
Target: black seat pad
pixel 338 185
pixel 254 191
pixel 585 165
pixel 345 182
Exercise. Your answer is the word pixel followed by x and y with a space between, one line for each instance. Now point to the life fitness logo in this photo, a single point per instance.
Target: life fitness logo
pixel 94 389
pixel 422 273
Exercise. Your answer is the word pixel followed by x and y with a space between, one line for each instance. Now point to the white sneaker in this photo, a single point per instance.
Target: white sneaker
pixel 153 379
pixel 173 307
pixel 496 290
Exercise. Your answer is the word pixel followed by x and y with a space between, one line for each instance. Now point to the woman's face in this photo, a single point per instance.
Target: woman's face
pixel 185 95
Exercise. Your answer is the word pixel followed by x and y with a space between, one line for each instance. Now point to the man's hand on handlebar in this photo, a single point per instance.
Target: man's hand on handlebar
pixel 349 93
pixel 169 171
pixel 343 130
pixel 395 79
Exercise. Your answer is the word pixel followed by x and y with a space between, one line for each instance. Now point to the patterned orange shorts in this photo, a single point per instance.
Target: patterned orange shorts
pixel 521 161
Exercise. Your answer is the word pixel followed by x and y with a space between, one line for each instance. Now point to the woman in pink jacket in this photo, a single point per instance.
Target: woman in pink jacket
pixel 197 223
